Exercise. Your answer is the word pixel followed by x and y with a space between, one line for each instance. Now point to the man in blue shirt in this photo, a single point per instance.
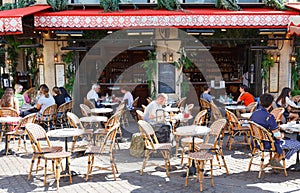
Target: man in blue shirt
pixel 205 95
pixel 262 117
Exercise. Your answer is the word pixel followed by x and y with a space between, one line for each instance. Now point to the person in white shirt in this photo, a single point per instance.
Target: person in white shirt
pixel 284 101
pixel 150 111
pixel 127 97
pixel 44 100
pixel 92 95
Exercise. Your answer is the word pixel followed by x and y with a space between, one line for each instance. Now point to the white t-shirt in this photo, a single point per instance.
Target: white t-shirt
pixel 288 102
pixel 151 110
pixel 45 102
pixel 92 95
pixel 128 96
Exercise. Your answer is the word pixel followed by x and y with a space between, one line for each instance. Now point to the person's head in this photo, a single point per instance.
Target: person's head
pixel 266 100
pixel 244 88
pixel 124 89
pixel 286 92
pixel 56 91
pixel 7 98
pixel 96 87
pixel 206 88
pixel 18 88
pixel 161 98
pixel 44 90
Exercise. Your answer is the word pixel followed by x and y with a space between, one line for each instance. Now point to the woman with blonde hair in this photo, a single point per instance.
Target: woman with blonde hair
pixel 29 95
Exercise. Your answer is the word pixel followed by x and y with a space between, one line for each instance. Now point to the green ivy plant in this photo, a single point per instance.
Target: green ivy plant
pixel 12 54
pixel 228 5
pixel 150 66
pixel 182 63
pixel 19 4
pixel 69 59
pixel 278 4
pixel 110 5
pixel 266 64
pixel 58 5
pixel 169 4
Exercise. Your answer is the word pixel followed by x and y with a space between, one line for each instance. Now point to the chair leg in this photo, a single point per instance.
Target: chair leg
pixel 284 166
pixel 57 171
pixel 187 172
pixel 31 166
pixel 224 162
pixel 201 174
pixel 88 168
pixel 45 172
pixel 211 173
pixel 251 159
pixel 147 155
pixel 261 164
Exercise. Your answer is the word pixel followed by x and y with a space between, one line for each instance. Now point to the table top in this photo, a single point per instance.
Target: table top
pixel 26 107
pixel 109 103
pixel 171 109
pixel 192 130
pixel 227 102
pixel 93 119
pixel 9 119
pixel 235 107
pixel 179 117
pixel 102 110
pixel 290 127
pixel 246 115
pixel 65 132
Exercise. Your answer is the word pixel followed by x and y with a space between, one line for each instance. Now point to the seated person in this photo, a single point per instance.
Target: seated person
pixel 150 111
pixel 63 91
pixel 92 95
pixel 18 95
pixel 127 97
pixel 29 95
pixel 58 96
pixel 262 117
pixel 44 100
pixel 284 101
pixel 245 97
pixel 206 94
pixel 9 100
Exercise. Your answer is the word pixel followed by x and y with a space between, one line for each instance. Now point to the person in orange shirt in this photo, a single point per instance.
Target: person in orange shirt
pixel 245 97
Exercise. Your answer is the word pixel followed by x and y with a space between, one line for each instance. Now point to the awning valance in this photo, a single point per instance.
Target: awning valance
pixel 189 18
pixel 11 20
pixel 294 25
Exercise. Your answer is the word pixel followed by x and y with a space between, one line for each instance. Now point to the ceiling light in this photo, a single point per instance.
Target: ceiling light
pixel 137 32
pixel 69 33
pixel 203 32
pixel 275 31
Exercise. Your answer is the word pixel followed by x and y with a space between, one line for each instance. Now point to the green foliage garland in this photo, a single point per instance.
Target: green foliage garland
pixel 70 71
pixel 169 4
pixel 151 69
pixel 266 64
pixel 110 5
pixel 58 5
pixel 19 4
pixel 228 5
pixel 278 4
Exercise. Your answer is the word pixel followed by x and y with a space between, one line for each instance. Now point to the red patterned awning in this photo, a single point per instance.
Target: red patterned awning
pixel 11 20
pixel 141 18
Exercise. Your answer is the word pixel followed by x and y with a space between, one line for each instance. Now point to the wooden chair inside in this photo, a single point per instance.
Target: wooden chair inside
pixel 152 145
pixel 216 113
pixel 134 106
pixel 19 131
pixel 62 110
pixel 122 108
pixel 85 110
pixel 278 113
pixel 214 141
pixel 88 103
pixel 188 141
pixel 40 145
pixel 149 100
pixel 76 123
pixel 48 117
pixel 261 136
pixel 107 147
pixel 7 112
pixel 181 102
pixel 236 128
pixel 204 104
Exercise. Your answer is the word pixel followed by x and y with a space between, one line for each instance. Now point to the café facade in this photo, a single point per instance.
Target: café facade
pixel 138 48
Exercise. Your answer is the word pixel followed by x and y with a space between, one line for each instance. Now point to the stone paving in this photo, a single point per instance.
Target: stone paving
pixel 14 170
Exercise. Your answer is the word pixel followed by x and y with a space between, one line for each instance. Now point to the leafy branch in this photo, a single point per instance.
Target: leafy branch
pixel 266 64
pixel 151 69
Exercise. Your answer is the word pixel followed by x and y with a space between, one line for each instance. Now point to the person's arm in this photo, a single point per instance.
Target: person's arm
pixel 290 102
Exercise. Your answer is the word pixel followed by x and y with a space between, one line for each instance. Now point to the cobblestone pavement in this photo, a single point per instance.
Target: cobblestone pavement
pixel 14 170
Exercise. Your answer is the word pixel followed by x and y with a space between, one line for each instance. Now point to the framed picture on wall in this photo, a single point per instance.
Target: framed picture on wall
pixel 60 74
pixel 41 73
pixel 274 78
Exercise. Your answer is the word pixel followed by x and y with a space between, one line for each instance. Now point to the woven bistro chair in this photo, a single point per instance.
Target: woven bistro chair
pixel 76 123
pixel 205 105
pixel 85 110
pixel 181 102
pixel 216 113
pixel 19 131
pixel 188 141
pixel 214 141
pixel 261 136
pixel 236 127
pixel 62 110
pixel 48 117
pixel 37 134
pixel 278 113
pixel 122 108
pixel 152 145
pixel 107 147
pixel 88 103
pixel 134 108
pixel 7 112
